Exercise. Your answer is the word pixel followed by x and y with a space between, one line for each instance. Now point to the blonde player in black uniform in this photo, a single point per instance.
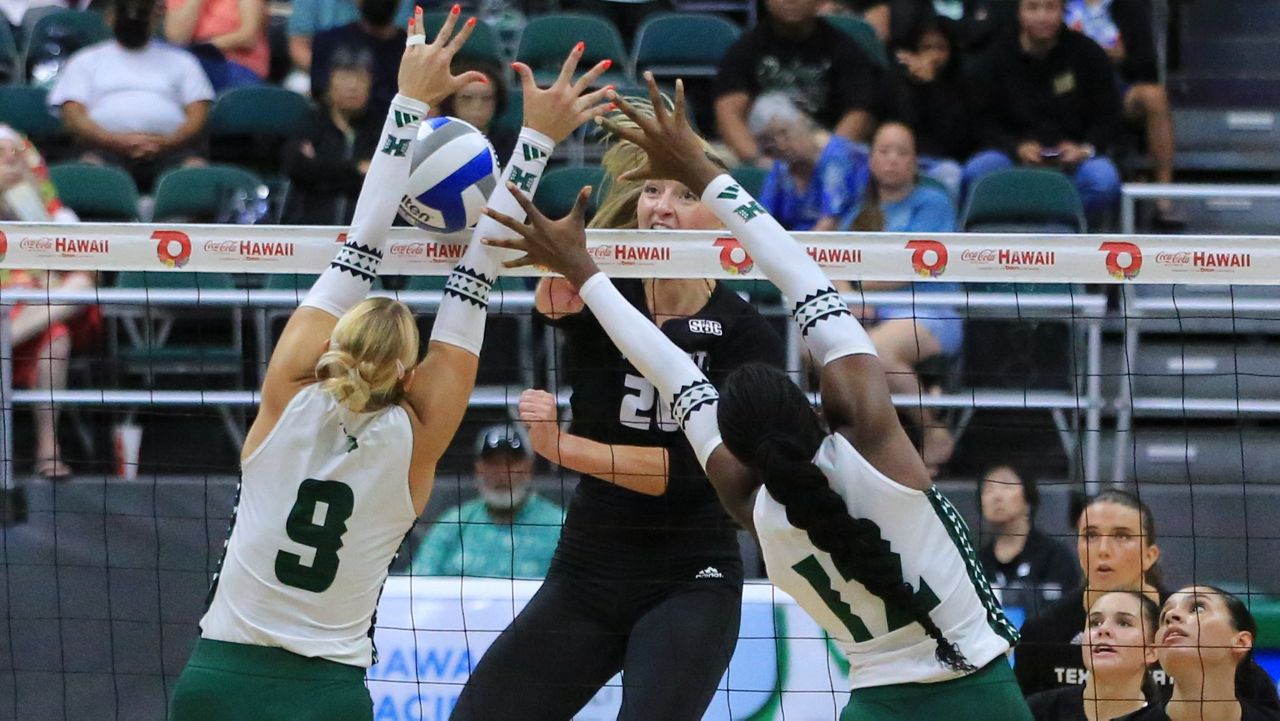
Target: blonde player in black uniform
pixel 342 456
pixel 647 576
pixel 850 524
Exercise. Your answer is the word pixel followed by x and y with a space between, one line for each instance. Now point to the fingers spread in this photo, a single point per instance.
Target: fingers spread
pixel 461 38
pixel 655 98
pixel 629 134
pixel 571 64
pixel 679 108
pixel 592 75
pixel 446 29
pixel 527 83
pixel 579 212
pixel 531 213
pixel 644 121
pixel 521 262
pixel 509 243
pixel 507 221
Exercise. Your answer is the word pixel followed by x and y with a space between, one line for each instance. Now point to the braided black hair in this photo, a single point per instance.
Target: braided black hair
pixel 767 422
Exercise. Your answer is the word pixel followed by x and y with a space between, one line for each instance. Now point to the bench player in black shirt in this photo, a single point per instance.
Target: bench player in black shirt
pixel 647 578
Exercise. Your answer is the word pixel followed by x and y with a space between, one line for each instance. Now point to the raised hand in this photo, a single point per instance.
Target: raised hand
pixel 560 245
pixel 424 67
pixel 558 110
pixel 675 151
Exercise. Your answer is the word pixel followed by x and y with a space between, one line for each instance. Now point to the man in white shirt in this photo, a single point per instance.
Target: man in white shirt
pixel 134 101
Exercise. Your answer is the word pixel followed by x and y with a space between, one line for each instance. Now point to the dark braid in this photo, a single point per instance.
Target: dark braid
pixel 767 423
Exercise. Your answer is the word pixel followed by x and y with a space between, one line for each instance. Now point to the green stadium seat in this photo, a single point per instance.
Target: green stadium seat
pixel 559 189
pixel 751 177
pixel 249 126
pixel 96 192
pixel 682 44
pixel 208 194
pixel 10 60
pixel 26 110
pixel 65 32
pixel 547 39
pixel 482 45
pixel 863 34
pixel 1024 200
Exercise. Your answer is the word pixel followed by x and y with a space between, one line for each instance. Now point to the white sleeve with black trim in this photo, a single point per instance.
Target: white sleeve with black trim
pixel 829 329
pixel 679 381
pixel 351 273
pixel 466 293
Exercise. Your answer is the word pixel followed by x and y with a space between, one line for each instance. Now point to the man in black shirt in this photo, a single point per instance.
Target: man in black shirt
pixel 1048 99
pixel 1026 567
pixel 797 53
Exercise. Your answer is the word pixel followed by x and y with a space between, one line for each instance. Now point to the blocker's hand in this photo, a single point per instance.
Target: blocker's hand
pixel 675 152
pixel 560 109
pixel 560 245
pixel 424 67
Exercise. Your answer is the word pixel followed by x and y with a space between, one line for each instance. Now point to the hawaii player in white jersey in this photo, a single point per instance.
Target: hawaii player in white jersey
pixel 342 456
pixel 850 524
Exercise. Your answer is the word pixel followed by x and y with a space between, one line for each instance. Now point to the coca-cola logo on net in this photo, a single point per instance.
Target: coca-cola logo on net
pixel 221 246
pixel 604 252
pixel 1010 258
pixel 428 251
pixel 250 249
pixel 1202 261
pixel 64 246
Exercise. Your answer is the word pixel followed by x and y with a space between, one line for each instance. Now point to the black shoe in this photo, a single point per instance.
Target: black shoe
pixel 13 506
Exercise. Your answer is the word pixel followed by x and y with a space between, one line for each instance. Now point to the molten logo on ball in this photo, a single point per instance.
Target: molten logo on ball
pixel 453 172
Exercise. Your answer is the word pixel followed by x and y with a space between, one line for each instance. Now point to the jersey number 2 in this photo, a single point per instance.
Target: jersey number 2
pixel 895 618
pixel 325 537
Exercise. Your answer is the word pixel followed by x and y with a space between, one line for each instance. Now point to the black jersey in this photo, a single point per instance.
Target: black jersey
pixel 1049 654
pixel 611 530
pixel 1060 704
pixel 1249 711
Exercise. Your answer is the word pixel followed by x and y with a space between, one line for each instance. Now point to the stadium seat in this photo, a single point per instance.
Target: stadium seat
pixel 482 45
pixel 216 193
pixel 751 177
pixel 55 36
pixel 96 192
pixel 548 38
pixel 10 67
pixel 249 126
pixel 682 45
pixel 559 189
pixel 1023 200
pixel 26 110
pixel 863 34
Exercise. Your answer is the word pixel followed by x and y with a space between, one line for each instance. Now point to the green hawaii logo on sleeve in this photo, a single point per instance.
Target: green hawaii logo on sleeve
pixel 395 146
pixel 523 179
pixel 749 211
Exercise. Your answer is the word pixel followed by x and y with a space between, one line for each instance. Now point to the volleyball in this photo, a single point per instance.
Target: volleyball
pixel 452 173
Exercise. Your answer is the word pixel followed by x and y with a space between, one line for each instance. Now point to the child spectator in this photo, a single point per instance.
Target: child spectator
pixel 816 177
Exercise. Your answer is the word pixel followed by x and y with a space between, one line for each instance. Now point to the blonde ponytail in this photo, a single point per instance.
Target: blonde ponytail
pixel 371 347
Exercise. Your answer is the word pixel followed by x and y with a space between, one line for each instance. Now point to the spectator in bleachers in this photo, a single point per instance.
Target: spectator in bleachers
pixel 1026 567
pixel 229 37
pixel 1116 546
pixel 816 177
pixel 134 101
pixel 1048 99
pixel 896 22
pixel 1125 30
pixel 1205 643
pixel 510 531
pixel 42 335
pixel 929 97
pixel 376 33
pixel 327 164
pixel 481 103
pixel 309 17
pixel 1118 637
pixel 895 201
pixel 795 52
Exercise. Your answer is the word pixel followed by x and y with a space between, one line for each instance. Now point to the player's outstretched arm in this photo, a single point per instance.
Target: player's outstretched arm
pixel 855 391
pixel 561 246
pixel 424 79
pixel 447 375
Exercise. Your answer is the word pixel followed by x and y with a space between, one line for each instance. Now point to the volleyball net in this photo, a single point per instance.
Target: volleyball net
pixel 1143 361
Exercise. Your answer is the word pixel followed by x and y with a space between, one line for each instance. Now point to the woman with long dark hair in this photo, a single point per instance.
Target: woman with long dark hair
pixel 849 522
pixel 1205 642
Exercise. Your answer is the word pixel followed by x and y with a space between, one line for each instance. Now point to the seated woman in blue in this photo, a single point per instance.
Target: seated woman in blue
pixel 896 202
pixel 816 177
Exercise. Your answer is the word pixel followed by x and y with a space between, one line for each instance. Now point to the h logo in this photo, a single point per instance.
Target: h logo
pixel 523 179
pixel 395 146
pixel 749 211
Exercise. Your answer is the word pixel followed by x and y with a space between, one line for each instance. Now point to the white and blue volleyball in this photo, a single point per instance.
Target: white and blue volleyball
pixel 453 171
